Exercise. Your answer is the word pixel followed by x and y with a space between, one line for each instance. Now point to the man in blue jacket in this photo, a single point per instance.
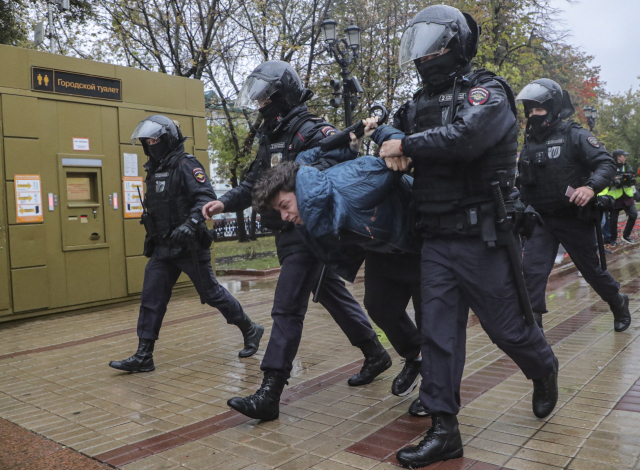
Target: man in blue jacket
pixel 352 212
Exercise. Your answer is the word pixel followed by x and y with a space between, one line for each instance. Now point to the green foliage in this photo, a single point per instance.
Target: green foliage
pixel 618 124
pixel 224 151
pixel 12 29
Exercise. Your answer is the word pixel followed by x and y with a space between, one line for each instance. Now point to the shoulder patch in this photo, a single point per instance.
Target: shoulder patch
pixel 478 96
pixel 593 141
pixel 199 175
pixel 328 130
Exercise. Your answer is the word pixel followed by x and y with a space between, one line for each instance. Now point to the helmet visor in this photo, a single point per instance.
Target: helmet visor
pixel 148 130
pixel 535 92
pixel 255 89
pixel 422 39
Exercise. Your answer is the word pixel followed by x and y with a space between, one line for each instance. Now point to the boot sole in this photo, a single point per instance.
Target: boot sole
pixel 411 388
pixel 387 365
pixel 249 355
pixel 133 370
pixel 453 455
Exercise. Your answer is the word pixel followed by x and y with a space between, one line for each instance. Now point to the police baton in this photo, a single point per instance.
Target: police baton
pixel 597 222
pixel 342 138
pixel 194 259
pixel 514 255
pixel 320 285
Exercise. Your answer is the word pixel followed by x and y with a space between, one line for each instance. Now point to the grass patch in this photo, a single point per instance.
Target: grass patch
pixel 235 248
pixel 261 263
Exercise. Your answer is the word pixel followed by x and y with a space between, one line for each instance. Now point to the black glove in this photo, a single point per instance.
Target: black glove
pixel 184 233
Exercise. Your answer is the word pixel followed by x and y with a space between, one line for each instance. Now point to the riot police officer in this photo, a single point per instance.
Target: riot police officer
pixel 177 240
pixel 562 166
pixel 623 192
pixel 462 139
pixel 287 129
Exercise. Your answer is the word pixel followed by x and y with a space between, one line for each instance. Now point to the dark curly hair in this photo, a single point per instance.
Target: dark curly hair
pixel 279 178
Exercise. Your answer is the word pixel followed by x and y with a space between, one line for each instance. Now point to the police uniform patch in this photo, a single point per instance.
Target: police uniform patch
pixel 199 175
pixel 278 145
pixel 554 152
pixel 276 158
pixel 478 96
pixel 328 130
pixel 593 141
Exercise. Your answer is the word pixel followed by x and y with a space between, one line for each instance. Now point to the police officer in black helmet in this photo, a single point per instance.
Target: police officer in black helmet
pixel 461 137
pixel 562 167
pixel 289 128
pixel 177 189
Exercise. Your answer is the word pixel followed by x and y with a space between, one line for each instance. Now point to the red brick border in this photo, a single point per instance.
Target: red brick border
pixel 630 401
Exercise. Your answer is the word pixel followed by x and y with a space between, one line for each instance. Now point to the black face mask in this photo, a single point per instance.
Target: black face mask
pixel 541 125
pixel 270 113
pixel 439 71
pixel 158 151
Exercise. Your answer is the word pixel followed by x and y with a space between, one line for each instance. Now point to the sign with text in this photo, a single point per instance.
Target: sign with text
pixel 133 191
pixel 28 198
pixel 75 84
pixel 81 144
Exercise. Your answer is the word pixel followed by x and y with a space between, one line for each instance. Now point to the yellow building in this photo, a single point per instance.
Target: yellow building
pixel 69 211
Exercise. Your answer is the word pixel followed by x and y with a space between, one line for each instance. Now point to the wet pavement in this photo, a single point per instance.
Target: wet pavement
pixel 61 406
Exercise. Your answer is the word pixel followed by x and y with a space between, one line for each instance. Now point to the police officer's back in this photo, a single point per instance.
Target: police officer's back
pixel 561 168
pixel 176 240
pixel 462 138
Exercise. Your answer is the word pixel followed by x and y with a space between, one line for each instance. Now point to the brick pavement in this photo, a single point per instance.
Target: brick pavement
pixel 54 380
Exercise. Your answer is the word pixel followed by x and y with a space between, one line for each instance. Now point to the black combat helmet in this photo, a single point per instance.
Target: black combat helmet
pixel 547 94
pixel 275 80
pixel 433 30
pixel 158 127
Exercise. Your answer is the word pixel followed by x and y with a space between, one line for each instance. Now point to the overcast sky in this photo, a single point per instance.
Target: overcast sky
pixel 609 30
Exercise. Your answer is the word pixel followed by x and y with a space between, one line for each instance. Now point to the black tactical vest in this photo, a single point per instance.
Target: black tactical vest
pixel 547 168
pixel 441 188
pixel 167 201
pixel 277 147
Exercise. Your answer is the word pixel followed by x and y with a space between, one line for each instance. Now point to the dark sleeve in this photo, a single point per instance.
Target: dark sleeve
pixel 310 135
pixel 197 185
pixel 474 131
pixel 239 198
pixel 593 154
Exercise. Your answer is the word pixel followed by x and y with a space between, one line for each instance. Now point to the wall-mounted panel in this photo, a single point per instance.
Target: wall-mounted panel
pixel 134 234
pixel 128 119
pixel 88 278
pixel 22 157
pixel 30 289
pixel 200 134
pixel 20 116
pixel 135 273
pixel 28 246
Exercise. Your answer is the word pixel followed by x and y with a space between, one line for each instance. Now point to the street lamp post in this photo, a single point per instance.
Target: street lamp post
pixel 344 51
pixel 591 114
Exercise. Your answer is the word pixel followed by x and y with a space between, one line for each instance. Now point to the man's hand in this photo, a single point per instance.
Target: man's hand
pixel 355 142
pixel 400 163
pixel 391 148
pixel 212 208
pixel 370 125
pixel 582 196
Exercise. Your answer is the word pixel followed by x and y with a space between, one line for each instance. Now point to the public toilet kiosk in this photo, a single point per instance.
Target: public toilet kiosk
pixel 70 209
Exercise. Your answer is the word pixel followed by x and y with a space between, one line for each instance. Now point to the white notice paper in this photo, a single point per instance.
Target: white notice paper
pixel 130 164
pixel 81 144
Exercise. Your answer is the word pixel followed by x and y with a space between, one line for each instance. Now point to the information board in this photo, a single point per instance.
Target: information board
pixel 28 198
pixel 133 190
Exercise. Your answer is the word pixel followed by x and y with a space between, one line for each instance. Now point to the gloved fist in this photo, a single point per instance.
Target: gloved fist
pixel 184 233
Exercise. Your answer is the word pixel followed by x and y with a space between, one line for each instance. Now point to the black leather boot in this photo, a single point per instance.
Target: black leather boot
pixel 265 403
pixel 416 408
pixel 408 378
pixel 442 442
pixel 252 333
pixel 537 316
pixel 376 361
pixel 141 361
pixel 545 393
pixel 621 314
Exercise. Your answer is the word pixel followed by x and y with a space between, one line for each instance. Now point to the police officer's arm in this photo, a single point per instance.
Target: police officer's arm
pixel 309 137
pixel 197 184
pixel 239 198
pixel 596 157
pixel 476 129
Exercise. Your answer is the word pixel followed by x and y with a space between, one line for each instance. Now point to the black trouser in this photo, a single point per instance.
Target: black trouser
pixel 298 278
pixel 632 216
pixel 578 238
pixel 390 281
pixel 458 274
pixel 159 278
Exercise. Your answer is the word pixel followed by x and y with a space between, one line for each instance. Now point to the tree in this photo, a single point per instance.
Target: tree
pixel 12 29
pixel 618 124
